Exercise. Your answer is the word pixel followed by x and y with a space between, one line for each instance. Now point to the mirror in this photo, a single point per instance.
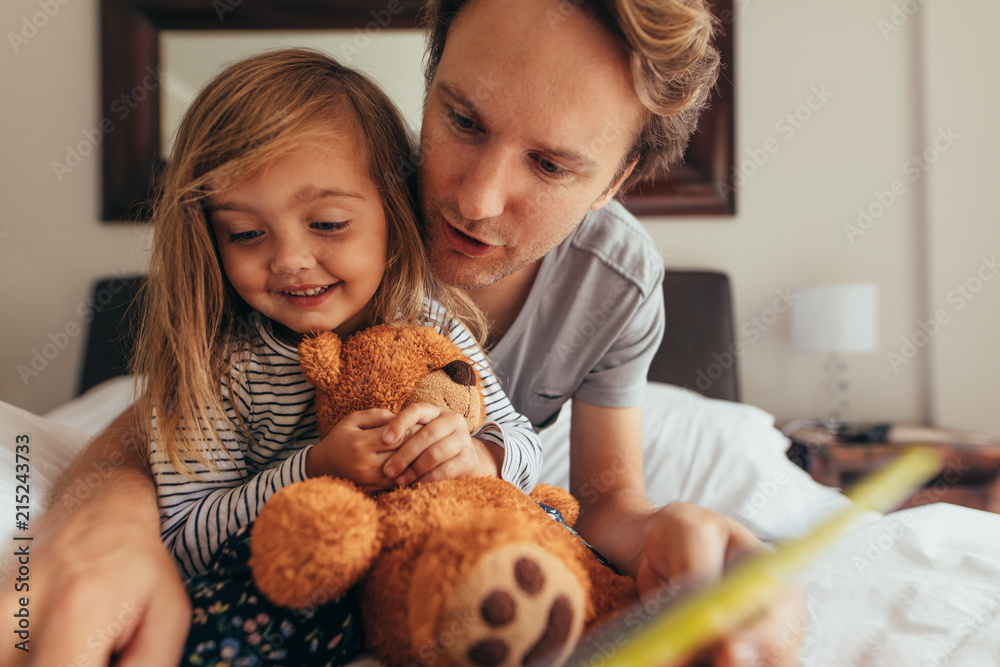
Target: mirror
pixel 190 58
pixel 136 34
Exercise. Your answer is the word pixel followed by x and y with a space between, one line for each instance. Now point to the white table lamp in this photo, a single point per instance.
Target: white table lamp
pixel 836 319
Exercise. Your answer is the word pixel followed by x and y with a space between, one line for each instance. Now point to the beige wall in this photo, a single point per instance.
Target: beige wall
pixel 791 210
pixel 875 103
pixel 896 90
pixel 962 92
pixel 52 245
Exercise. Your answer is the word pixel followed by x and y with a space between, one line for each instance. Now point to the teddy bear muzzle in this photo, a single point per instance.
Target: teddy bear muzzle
pixel 454 386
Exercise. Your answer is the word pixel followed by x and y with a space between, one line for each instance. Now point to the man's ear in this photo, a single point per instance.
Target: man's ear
pixel 613 188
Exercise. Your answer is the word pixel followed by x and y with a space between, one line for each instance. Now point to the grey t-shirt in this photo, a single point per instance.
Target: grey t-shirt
pixel 591 324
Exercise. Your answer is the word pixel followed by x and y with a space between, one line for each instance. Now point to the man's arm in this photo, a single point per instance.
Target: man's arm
pixel 680 545
pixel 119 451
pixel 101 582
pixel 606 478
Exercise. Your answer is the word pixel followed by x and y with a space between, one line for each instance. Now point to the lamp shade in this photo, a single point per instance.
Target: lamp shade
pixel 836 318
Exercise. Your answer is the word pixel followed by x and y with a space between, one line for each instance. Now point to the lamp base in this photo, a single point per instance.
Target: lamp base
pixel 835 385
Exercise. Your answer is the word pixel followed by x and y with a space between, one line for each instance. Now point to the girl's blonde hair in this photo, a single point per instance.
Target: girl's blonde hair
pixel 195 326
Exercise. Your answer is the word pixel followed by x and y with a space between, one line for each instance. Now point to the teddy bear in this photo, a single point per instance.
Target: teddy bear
pixel 467 571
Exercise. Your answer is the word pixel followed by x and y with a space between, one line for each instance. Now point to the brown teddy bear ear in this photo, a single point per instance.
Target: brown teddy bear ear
pixel 319 357
pixel 434 347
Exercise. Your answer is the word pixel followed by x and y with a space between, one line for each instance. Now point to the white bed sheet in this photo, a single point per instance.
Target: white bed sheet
pixel 914 588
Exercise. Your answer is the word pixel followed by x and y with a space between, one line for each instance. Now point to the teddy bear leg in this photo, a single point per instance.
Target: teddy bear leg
pixel 521 605
pixel 477 598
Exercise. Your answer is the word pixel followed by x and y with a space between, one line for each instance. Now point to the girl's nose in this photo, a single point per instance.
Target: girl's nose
pixel 292 257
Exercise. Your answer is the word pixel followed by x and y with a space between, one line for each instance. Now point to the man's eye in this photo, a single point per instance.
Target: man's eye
pixel 548 166
pixel 329 226
pixel 245 236
pixel 462 122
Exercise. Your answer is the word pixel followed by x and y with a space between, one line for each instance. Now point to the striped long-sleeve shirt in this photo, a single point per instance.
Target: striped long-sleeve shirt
pixel 274 401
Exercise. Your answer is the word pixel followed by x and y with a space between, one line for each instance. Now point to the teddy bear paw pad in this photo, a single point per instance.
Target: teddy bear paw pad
pixel 520 606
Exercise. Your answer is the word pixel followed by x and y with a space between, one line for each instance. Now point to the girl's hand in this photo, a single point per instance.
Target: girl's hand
pixel 434 443
pixel 355 450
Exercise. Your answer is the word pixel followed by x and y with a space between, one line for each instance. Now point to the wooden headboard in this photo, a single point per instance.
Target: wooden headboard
pixel 697 350
pixel 112 332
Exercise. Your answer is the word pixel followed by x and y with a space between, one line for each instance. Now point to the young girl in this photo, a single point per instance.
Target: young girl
pixel 283 212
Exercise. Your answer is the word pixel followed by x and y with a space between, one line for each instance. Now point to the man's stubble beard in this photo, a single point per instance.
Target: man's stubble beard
pixel 445 260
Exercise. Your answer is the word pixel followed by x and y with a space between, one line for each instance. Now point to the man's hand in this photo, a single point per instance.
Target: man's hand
pixel 355 449
pixel 680 546
pixel 434 444
pixel 686 547
pixel 101 582
pixel 770 641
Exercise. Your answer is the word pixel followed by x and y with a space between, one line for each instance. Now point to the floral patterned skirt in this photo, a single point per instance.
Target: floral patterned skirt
pixel 233 624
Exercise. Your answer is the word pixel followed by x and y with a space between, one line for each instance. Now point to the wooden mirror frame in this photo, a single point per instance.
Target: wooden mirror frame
pixel 130 96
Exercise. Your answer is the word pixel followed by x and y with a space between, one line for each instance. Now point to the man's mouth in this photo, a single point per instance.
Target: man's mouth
pixel 462 242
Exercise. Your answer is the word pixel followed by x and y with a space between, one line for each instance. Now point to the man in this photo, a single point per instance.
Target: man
pixel 537 113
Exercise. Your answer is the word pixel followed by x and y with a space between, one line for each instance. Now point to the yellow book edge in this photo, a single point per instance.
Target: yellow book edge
pixel 696 621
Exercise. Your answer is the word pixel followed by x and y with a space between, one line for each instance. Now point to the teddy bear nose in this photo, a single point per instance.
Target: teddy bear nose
pixel 460 373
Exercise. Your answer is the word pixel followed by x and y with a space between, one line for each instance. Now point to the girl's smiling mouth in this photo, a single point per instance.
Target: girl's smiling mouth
pixel 306 291
pixel 306 296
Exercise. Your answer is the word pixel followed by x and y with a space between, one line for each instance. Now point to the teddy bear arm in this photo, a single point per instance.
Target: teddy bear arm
pixel 313 541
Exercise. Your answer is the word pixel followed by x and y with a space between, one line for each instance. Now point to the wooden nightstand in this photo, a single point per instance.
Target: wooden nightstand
pixel 970 475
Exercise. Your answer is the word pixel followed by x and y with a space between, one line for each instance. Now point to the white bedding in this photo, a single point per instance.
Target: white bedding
pixel 916 588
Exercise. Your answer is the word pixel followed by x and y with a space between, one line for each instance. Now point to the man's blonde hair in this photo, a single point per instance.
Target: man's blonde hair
pixel 668 45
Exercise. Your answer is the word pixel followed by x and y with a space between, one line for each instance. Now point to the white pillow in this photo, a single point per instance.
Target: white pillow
pixel 53 441
pixel 97 408
pixel 49 449
pixel 722 455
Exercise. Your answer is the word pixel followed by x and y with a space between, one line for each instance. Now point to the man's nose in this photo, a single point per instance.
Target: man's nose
pixel 486 186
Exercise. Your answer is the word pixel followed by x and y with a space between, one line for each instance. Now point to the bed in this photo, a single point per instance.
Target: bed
pixel 916 587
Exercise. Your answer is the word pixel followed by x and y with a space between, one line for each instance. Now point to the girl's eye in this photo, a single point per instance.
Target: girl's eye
pixel 329 226
pixel 243 237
